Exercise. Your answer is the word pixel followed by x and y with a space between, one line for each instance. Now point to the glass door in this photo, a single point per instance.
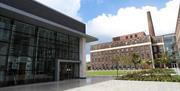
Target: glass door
pixel 67 71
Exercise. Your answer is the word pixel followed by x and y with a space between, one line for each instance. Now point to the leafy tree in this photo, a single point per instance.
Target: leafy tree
pixel 125 60
pixel 163 60
pixel 115 61
pixel 136 59
pixel 122 60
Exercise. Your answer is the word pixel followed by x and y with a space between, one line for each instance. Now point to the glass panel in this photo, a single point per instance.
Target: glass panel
pixel 14 63
pixel 22 39
pixel 67 47
pixel 46 52
pixel 46 43
pixel 3 48
pixel 24 28
pixel 5 23
pixel 62 37
pixel 74 48
pixel 2 68
pixel 4 35
pixel 46 33
pixel 45 69
pixel 2 77
pixel 20 50
pixel 19 69
pixel 2 63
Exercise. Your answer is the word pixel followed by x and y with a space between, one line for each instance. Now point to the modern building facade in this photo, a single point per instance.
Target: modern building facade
pixel 148 47
pixel 38 44
pixel 171 48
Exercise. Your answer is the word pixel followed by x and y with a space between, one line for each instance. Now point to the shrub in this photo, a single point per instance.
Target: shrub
pixel 152 75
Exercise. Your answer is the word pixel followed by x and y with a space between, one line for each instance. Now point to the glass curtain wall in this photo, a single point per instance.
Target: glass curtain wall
pixel 5 28
pixel 28 53
pixel 21 53
pixel 45 63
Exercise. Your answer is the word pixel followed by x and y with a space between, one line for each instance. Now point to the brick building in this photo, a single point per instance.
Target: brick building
pixel 146 46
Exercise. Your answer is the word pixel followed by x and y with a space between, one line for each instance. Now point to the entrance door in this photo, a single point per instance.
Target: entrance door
pixel 67 71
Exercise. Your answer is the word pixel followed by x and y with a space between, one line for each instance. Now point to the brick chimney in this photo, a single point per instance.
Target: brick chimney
pixel 150 24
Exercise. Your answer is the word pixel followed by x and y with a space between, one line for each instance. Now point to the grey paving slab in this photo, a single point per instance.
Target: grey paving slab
pixel 97 84
pixel 58 86
pixel 118 85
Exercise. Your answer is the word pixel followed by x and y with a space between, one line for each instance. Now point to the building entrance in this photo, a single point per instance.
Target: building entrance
pixel 68 71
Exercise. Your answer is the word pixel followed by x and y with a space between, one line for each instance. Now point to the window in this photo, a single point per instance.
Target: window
pixel 5 23
pixel 130 36
pixel 22 43
pixel 3 48
pixel 44 33
pixel 135 35
pixel 126 37
pixel 155 49
pixel 62 37
pixel 2 62
pixel 122 50
pixel 21 50
pixel 23 39
pixel 21 67
pixel 24 28
pixel 132 49
pixel 2 68
pixel 127 49
pixel 4 35
pixel 67 46
pixel 148 55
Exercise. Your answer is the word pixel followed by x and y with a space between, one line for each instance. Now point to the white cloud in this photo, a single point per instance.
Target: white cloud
pixel 132 19
pixel 68 7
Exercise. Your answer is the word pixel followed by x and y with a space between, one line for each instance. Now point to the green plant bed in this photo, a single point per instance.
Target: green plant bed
pixel 152 75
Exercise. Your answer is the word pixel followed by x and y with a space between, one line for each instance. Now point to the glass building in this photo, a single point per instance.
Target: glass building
pixel 170 47
pixel 36 47
pixel 169 42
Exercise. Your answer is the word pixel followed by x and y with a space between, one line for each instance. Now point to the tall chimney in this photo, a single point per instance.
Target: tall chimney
pixel 150 24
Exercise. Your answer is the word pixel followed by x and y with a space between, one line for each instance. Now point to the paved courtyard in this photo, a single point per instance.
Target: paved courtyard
pixel 58 86
pixel 97 84
pixel 116 85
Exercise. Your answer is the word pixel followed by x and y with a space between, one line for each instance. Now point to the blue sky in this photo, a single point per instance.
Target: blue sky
pixel 105 19
pixel 92 8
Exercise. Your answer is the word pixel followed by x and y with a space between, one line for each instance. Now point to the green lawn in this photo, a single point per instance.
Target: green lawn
pixel 109 72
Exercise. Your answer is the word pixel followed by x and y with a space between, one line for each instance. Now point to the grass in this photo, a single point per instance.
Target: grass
pixel 140 75
pixel 109 72
pixel 152 75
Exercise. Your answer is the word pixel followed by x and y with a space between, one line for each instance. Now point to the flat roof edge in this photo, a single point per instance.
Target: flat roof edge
pixel 90 38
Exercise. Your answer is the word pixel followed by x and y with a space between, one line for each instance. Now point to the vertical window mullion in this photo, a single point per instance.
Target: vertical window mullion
pixel 9 46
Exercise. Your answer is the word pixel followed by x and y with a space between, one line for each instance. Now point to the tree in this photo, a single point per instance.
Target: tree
pixel 125 60
pixel 136 59
pixel 116 62
pixel 163 60
pixel 122 60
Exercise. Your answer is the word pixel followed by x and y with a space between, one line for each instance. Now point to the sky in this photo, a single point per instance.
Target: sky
pixel 105 19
